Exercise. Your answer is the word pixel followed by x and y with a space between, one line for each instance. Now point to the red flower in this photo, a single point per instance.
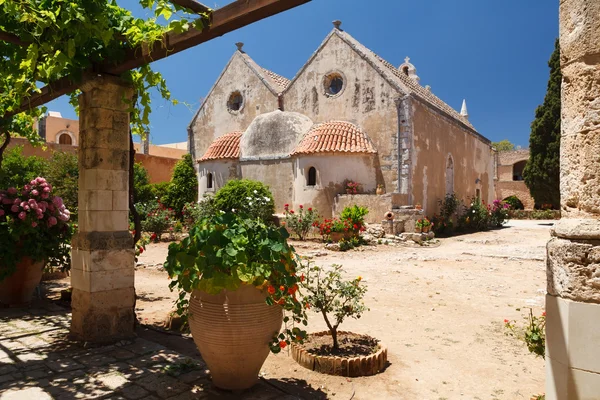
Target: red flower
pixel 282 344
pixel 271 289
pixel 281 301
pixel 153 236
pixel 506 321
pixel 301 206
pixel 282 288
pixel 291 211
pixel 355 226
pixel 286 206
pixel 141 249
pixel 310 209
pixel 544 314
pixel 302 278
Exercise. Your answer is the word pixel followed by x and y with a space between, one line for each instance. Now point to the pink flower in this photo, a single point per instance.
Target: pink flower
pixel 46 189
pixel 14 208
pixel 26 207
pixel 26 188
pixel 22 215
pixel 17 201
pixel 57 201
pixel 52 221
pixel 35 192
pixel 33 224
pixel 45 195
pixel 12 190
pixel 39 179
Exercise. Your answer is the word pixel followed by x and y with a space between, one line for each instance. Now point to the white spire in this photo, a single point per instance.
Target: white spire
pixel 463 110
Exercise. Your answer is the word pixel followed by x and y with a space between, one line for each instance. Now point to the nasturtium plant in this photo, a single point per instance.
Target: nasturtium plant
pixel 228 250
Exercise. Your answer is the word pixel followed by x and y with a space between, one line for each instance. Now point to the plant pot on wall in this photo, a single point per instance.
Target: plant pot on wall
pixel 18 288
pixel 232 331
pixel 380 190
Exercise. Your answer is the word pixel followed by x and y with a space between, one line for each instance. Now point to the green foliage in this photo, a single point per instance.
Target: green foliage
pixel 350 243
pixel 422 223
pixel 156 218
pixel 249 197
pixel 195 212
pixel 63 174
pixel 476 217
pixel 33 223
pixel 159 190
pixel 228 250
pixel 332 296
pixel 543 214
pixel 503 145
pixel 449 207
pixel 541 172
pixel 533 334
pixel 355 214
pixel 498 213
pixel 300 222
pixel 183 187
pixel 65 38
pixel 514 202
pixel 18 170
pixel 141 184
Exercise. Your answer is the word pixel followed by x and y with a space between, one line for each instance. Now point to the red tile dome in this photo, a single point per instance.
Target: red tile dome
pixel 335 136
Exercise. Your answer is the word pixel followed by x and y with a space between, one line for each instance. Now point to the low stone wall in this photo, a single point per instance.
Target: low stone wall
pixel 506 189
pixel 403 221
pixel 534 214
pixel 378 205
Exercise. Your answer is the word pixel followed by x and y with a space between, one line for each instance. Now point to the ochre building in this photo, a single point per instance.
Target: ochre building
pixel 347 115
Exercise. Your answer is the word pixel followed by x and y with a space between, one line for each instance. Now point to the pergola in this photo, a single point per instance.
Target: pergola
pixel 102 272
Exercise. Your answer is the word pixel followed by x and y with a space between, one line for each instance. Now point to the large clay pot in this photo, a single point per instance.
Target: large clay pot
pixel 336 236
pixel 232 331
pixel 379 191
pixel 19 287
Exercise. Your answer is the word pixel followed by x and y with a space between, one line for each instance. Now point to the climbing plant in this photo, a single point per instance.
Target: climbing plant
pixel 59 38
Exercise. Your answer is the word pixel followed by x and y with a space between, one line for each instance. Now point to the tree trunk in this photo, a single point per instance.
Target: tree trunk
pixel 336 346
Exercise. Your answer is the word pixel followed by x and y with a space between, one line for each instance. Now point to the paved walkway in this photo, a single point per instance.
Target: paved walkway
pixel 39 362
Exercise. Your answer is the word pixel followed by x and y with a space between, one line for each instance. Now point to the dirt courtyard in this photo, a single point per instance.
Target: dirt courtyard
pixel 439 311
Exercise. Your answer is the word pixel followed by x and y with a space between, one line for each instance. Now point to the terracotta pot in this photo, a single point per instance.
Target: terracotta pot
pixel 426 229
pixel 418 229
pixel 336 236
pixel 232 331
pixel 18 288
pixel 380 191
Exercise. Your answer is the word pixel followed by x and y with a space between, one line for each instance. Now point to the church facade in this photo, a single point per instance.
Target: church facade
pixel 347 115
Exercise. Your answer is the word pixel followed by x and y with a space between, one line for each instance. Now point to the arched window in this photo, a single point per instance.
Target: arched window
pixel 209 181
pixel 65 138
pixel 405 70
pixel 311 179
pixel 518 170
pixel 449 175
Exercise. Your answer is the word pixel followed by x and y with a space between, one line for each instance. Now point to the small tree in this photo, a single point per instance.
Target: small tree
pixel 184 185
pixel 18 170
pixel 503 145
pixel 248 197
pixel 141 184
pixel 63 174
pixel 335 298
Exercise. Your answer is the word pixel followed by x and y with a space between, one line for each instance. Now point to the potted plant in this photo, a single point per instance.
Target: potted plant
pixel 241 274
pixel 356 216
pixel 333 351
pixel 380 189
pixel 352 187
pixel 336 229
pixel 34 232
pixel 419 224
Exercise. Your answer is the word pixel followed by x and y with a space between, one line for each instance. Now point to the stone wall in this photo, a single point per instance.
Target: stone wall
pixel 506 189
pixel 436 138
pixel 505 185
pixel 378 205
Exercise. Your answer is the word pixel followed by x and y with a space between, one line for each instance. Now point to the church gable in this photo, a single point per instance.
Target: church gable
pixel 242 92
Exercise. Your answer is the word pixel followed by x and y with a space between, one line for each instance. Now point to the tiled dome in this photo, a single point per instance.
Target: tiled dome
pixel 335 136
pixel 224 147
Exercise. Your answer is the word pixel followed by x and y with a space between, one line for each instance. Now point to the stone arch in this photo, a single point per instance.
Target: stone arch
pixel 518 168
pixel 66 138
pixel 450 174
pixel 209 180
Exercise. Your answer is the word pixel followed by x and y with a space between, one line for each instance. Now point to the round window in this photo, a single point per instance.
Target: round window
pixel 334 83
pixel 235 102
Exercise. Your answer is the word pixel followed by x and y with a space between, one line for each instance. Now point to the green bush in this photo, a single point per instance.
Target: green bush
pixel 514 202
pixel 356 215
pixel 476 216
pixel 159 190
pixel 157 218
pixel 195 212
pixel 18 170
pixel 183 187
pixel 248 197
pixel 63 174
pixel 543 214
pixel 141 184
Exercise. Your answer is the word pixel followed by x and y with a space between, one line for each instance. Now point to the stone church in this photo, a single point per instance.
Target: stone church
pixel 346 115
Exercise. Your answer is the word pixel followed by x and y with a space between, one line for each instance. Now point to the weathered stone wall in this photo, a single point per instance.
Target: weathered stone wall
pixel 221 170
pixel 378 205
pixel 277 174
pixel 506 189
pixel 214 119
pixel 366 100
pixel 573 254
pixel 332 170
pixel 436 137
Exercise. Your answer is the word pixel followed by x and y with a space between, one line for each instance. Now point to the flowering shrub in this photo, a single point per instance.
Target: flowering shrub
pixel 252 198
pixel 157 218
pixel 476 216
pixel 498 213
pixel 352 187
pixel 423 223
pixel 228 250
pixel 194 212
pixel 356 216
pixel 33 223
pixel 332 296
pixel 300 222
pixel 534 334
pixel 329 226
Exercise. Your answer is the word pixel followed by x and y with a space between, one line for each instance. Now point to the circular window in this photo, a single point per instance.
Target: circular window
pixel 334 84
pixel 235 102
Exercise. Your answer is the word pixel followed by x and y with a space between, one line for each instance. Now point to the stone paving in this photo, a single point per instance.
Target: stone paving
pixel 38 361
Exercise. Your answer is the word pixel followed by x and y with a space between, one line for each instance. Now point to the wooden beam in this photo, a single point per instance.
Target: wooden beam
pixel 10 38
pixel 192 5
pixel 224 20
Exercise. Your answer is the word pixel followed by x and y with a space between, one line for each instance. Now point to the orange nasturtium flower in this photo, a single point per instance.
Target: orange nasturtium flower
pixel 282 288
pixel 359 278
pixel 282 344
pixel 271 289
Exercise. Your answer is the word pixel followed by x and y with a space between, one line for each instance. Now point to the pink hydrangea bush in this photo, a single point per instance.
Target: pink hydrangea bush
pixel 35 224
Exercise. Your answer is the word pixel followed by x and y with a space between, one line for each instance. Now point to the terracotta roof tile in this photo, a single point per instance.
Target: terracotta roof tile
pixel 335 136
pixel 279 81
pixel 224 147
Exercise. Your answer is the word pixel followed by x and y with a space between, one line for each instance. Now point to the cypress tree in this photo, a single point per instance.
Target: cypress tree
pixel 542 171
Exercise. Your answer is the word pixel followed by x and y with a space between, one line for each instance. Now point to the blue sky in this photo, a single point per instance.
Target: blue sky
pixel 493 54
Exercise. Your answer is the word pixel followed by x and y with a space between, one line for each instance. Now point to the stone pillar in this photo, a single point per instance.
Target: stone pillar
pixel 102 273
pixel 573 254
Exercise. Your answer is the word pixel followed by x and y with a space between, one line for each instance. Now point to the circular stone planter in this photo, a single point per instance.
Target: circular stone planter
pixel 341 366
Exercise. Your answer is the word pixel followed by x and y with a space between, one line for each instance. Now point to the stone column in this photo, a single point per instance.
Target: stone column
pixel 573 254
pixel 102 273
